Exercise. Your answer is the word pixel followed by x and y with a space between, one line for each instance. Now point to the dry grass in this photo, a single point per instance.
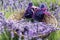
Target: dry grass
pixel 17 15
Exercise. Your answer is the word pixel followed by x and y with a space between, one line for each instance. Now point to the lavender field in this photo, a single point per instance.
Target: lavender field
pixel 29 27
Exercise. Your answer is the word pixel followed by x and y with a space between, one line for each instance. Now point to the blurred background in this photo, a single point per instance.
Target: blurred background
pixel 9 7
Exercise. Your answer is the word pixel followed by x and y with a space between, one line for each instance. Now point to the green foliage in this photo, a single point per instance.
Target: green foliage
pixel 54 36
pixel 7 36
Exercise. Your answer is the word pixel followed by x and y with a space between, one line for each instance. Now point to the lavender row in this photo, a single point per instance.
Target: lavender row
pixel 23 27
pixel 14 4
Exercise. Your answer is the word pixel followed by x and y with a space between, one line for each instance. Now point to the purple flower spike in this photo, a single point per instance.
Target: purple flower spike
pixel 1 14
pixel 12 34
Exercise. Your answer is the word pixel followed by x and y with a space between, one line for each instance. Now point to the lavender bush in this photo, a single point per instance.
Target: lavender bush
pixel 26 30
pixel 11 30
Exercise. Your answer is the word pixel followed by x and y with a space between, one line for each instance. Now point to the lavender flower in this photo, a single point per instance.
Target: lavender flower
pixel 28 29
pixel 53 6
pixel 12 34
pixel 2 20
pixel 57 15
pixel 43 29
